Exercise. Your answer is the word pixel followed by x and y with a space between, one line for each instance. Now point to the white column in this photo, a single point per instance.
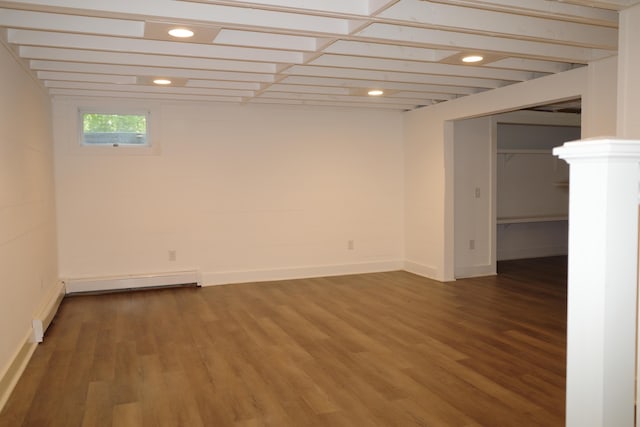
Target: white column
pixel 603 257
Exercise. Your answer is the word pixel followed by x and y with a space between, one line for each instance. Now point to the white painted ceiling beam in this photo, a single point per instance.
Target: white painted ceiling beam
pixel 266 40
pixel 451 40
pixel 378 50
pixel 147 88
pixel 605 4
pixel 117 44
pixel 287 88
pixel 280 87
pixel 216 84
pixel 377 6
pixel 326 97
pixel 545 8
pixel 56 54
pixel 179 11
pixel 420 67
pixel 350 73
pixel 326 81
pixel 333 104
pixel 141 95
pixel 78 67
pixel 349 7
pixel 70 23
pixel 423 95
pixel 531 65
pixel 86 77
pixel 449 17
pixel 362 8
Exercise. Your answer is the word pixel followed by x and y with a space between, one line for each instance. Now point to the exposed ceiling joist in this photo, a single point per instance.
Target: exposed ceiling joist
pixel 304 52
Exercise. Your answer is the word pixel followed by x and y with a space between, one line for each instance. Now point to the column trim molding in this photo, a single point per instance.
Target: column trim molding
pixel 599 148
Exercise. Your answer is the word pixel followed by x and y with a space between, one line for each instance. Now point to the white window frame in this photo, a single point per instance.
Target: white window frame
pixel 150 147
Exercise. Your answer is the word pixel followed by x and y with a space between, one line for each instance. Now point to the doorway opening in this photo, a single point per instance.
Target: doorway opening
pixel 510 192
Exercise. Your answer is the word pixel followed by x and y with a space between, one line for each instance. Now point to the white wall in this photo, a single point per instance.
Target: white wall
pixel 429 204
pixel 27 215
pixel 241 193
pixel 628 125
pixel 474 160
pixel 599 103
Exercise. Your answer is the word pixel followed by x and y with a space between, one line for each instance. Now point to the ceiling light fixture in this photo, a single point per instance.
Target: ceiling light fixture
pixel 162 81
pixel 470 59
pixel 375 92
pixel 181 33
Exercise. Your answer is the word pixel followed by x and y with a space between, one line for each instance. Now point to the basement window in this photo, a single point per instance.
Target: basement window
pixel 114 129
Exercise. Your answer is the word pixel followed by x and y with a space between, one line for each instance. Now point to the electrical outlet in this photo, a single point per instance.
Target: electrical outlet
pixel 472 244
pixel 477 192
pixel 172 255
pixel 350 245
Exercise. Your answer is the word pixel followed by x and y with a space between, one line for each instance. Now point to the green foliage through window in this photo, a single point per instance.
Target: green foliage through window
pixel 94 122
pixel 114 129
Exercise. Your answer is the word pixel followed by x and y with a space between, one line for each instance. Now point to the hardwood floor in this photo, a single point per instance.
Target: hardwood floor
pixel 388 349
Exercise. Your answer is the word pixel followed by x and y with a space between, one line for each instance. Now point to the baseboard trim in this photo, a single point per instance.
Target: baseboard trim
pixel 15 368
pixel 422 270
pixel 475 271
pixel 114 283
pixel 251 276
pixel 44 316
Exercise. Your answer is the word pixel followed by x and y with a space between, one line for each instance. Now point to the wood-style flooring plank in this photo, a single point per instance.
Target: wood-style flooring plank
pixel 384 349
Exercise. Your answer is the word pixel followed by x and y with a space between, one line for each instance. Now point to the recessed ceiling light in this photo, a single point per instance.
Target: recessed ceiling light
pixel 182 33
pixel 375 92
pixel 162 81
pixel 472 58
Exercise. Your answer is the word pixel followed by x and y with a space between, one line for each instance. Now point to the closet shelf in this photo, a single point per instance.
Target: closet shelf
pixel 525 219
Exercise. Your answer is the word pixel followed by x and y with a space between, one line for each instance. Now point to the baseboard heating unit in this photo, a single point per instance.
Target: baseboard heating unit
pixel 119 283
